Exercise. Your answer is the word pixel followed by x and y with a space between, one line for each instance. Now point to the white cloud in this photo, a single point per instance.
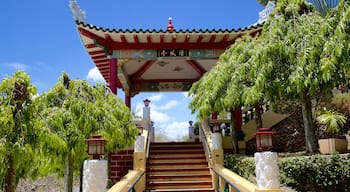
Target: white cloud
pixel 168 105
pixel 159 117
pixel 185 94
pixel 95 75
pixel 156 97
pixel 16 66
pixel 175 130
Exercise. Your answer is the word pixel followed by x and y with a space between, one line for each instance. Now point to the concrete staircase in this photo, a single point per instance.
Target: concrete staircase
pixel 178 167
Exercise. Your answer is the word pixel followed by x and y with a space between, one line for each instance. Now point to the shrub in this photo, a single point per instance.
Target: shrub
pixel 303 173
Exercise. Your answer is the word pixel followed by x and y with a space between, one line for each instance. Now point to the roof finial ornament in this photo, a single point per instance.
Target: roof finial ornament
pixel 265 13
pixel 170 26
pixel 78 14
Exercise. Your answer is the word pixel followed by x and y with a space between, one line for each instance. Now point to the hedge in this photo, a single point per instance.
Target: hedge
pixel 305 173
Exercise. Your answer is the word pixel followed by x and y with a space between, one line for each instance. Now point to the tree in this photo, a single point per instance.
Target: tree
pixel 223 88
pixel 22 134
pixel 298 55
pixel 74 111
pixel 303 54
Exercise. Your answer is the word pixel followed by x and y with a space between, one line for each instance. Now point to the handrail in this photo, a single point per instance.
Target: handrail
pixel 234 180
pixel 148 141
pixel 220 173
pixel 128 182
pixel 136 180
pixel 205 143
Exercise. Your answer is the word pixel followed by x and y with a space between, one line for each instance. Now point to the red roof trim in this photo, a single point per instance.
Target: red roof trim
pixel 212 39
pixel 149 40
pixel 136 39
pixel 225 39
pixel 96 52
pixel 200 38
pixel 161 38
pixel 162 80
pixel 187 39
pixel 122 37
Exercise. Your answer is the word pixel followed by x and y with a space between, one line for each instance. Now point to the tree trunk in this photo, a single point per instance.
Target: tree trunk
pixel 310 137
pixel 10 179
pixel 68 173
pixel 81 177
pixel 233 132
pixel 258 113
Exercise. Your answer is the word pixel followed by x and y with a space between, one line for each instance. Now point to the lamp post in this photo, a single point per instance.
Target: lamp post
pixel 146 102
pixel 266 168
pixel 96 146
pixel 95 175
pixel 264 140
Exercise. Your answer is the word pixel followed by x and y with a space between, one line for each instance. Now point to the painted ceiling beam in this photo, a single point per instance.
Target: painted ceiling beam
pixel 143 69
pixel 195 65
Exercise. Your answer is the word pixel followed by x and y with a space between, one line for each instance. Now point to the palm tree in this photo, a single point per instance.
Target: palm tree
pixel 333 120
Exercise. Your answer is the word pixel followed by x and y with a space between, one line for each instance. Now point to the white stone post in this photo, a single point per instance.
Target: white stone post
pixel 216 140
pixel 266 170
pixel 139 145
pixel 217 151
pixel 95 176
pixel 191 131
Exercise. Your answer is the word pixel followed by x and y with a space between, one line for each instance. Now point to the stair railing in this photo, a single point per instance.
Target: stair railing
pixel 222 177
pixel 135 180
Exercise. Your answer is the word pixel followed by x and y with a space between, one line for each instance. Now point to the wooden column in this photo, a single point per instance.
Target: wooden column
pixel 238 116
pixel 127 98
pixel 113 75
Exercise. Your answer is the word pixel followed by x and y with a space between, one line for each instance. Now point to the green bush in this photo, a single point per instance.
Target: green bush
pixel 303 173
pixel 243 166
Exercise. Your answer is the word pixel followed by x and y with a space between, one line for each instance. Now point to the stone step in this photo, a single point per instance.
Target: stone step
pixel 184 190
pixel 176 152
pixel 178 165
pixel 179 184
pixel 177 171
pixel 184 159
pixel 183 177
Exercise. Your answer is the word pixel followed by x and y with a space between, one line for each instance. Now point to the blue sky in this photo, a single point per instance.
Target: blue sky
pixel 40 37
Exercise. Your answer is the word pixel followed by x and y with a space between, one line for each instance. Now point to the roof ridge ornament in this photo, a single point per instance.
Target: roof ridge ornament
pixel 170 26
pixel 265 13
pixel 78 14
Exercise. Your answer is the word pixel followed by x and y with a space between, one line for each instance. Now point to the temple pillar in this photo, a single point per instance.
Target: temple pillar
pixel 113 75
pixel 238 117
pixel 127 98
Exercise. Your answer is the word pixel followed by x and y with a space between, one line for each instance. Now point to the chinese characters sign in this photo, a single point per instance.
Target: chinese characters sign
pixel 173 53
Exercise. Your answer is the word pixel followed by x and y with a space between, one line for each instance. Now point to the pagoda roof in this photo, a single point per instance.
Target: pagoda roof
pixel 244 29
pixel 148 58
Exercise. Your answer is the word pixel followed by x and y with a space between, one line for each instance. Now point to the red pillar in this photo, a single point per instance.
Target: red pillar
pixel 214 115
pixel 113 75
pixel 127 98
pixel 238 117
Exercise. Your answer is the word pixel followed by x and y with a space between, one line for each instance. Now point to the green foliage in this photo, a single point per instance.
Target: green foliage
pixel 316 173
pixel 21 131
pixel 333 120
pixel 299 55
pixel 74 110
pixel 243 166
pixel 302 173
